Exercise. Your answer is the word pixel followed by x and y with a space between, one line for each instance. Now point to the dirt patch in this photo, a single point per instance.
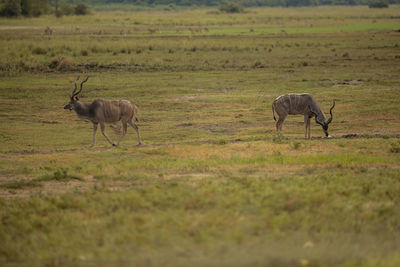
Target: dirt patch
pixel 51 151
pixel 359 136
pixel 220 129
pixel 340 83
pixel 43 187
pixel 191 97
pixel 347 83
pixel 350 136
pixel 7 28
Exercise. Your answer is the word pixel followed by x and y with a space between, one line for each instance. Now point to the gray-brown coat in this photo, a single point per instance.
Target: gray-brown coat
pixel 105 111
pixel 292 104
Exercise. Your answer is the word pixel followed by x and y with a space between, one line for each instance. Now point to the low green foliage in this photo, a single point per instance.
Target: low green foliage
pixel 60 174
pixel 395 147
pixel 19 184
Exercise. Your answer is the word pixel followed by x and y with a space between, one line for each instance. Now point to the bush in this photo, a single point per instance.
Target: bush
pixel 39 51
pixel 84 53
pixel 11 8
pixel 81 9
pixel 395 147
pixel 66 9
pixel 378 4
pixel 62 64
pixel 34 7
pixel 232 8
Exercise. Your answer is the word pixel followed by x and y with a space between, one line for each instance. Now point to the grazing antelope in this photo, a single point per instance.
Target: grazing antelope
pixel 292 104
pixel 104 111
pixel 152 30
pixel 48 31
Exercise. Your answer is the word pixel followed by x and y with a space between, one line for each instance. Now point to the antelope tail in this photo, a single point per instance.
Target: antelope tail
pixel 273 112
pixel 135 112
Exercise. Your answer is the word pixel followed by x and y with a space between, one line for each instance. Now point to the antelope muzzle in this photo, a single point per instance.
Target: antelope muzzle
pixel 68 106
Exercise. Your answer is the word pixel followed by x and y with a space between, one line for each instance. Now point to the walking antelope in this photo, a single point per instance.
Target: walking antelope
pixel 292 104
pixel 104 111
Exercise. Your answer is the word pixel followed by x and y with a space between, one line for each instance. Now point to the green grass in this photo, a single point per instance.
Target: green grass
pixel 213 184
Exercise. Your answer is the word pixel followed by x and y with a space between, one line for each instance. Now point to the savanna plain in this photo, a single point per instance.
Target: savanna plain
pixel 213 184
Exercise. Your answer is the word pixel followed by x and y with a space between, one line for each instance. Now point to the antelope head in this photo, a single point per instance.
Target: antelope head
pixel 74 96
pixel 322 122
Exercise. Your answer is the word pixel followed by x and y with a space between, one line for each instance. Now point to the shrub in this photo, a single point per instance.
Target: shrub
pixel 278 138
pixel 296 145
pixel 81 9
pixel 66 9
pixel 60 174
pixel 378 4
pixel 84 53
pixel 39 51
pixel 11 8
pixel 395 147
pixel 220 142
pixel 61 63
pixel 232 8
pixel 34 7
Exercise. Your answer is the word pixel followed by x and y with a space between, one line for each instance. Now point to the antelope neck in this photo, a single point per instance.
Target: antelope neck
pixel 82 109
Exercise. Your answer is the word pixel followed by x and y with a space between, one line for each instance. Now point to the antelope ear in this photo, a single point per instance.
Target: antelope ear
pixel 76 98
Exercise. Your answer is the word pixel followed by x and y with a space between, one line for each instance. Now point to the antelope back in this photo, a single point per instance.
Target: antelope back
pixel 113 111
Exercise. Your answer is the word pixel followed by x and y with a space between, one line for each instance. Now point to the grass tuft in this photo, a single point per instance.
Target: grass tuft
pixel 60 174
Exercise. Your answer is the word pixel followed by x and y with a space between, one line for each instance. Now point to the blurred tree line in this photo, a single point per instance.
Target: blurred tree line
pixel 11 8
pixel 35 8
pixel 244 3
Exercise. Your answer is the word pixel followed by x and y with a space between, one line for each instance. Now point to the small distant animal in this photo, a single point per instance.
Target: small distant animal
pixel 48 31
pixel 292 104
pixel 152 30
pixel 105 111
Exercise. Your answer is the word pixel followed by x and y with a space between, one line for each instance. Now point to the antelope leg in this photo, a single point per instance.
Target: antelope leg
pixel 279 123
pixel 124 129
pixel 134 126
pixel 102 127
pixel 94 133
pixel 307 127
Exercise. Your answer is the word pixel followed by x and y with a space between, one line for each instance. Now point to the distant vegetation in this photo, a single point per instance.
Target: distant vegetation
pixel 247 3
pixel 12 8
pixel 232 8
pixel 379 4
pixel 35 8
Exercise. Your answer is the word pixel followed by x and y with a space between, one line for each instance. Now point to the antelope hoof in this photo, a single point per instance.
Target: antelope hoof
pixel 114 144
pixel 328 137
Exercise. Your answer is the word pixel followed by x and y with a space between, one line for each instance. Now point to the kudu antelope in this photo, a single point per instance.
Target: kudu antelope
pixel 292 104
pixel 104 111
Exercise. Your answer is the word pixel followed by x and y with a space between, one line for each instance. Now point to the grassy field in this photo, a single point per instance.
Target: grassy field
pixel 213 184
